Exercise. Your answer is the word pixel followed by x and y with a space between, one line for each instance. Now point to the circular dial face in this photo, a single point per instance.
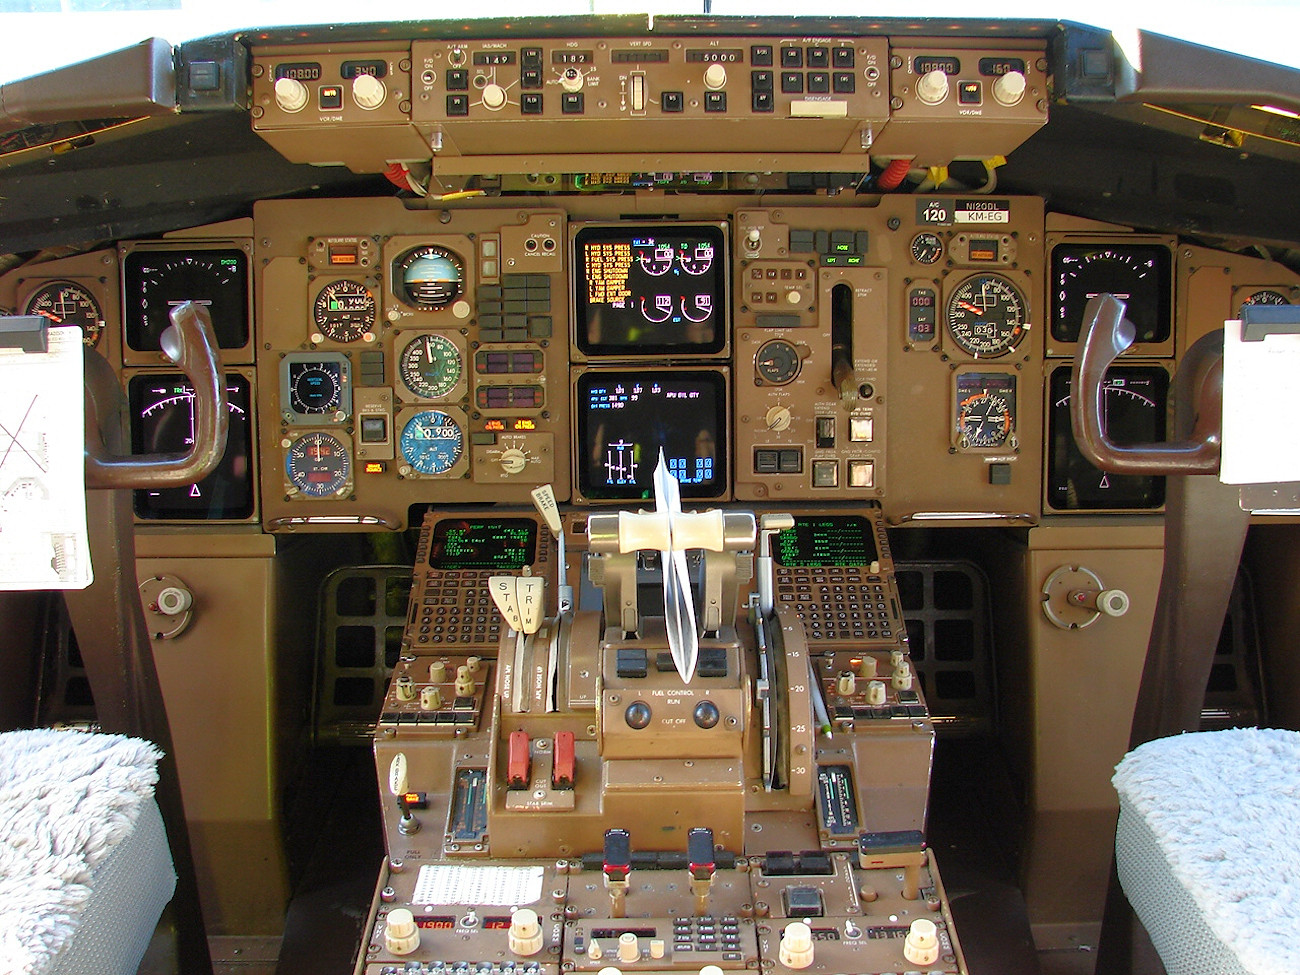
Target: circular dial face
pixel 986 316
pixel 927 248
pixel 985 419
pixel 432 442
pixel 67 303
pixel 315 388
pixel 429 277
pixel 430 366
pixel 1266 296
pixel 777 362
pixel 318 465
pixel 344 310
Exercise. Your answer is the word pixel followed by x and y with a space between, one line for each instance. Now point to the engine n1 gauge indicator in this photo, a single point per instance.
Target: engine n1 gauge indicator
pixel 776 362
pixel 432 442
pixel 156 281
pixel 1137 274
pixel 317 465
pixel 429 277
pixel 344 311
pixel 162 422
pixel 1133 403
pixel 987 316
pixel 1263 296
pixel 430 365
pixel 986 411
pixel 68 303
pixel 315 387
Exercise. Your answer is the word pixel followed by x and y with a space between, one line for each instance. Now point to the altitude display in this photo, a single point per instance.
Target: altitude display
pixel 1136 274
pixel 650 290
pixel 626 417
pixel 505 544
pixel 156 281
pixel 162 421
pixel 826 541
pixel 1133 400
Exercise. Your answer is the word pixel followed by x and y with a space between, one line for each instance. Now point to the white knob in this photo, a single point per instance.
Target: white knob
pixel 715 77
pixel 405 688
pixel 752 240
pixel 401 936
pixel 1009 88
pixel 174 600
pixel 876 693
pixel 1112 602
pixel 525 936
pixel 368 91
pixel 290 95
pixel 628 952
pixel 932 87
pixel 571 80
pixel 902 677
pixel 777 418
pixel 847 684
pixel 710 970
pixel 438 672
pixel 513 460
pixel 922 944
pixel 464 681
pixel 595 953
pixel 867 669
pixel 430 698
pixel 796 945
pixel 494 96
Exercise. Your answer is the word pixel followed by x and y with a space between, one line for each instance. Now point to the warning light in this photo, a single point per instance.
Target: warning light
pixel 525 423
pixel 494 425
pixel 374 467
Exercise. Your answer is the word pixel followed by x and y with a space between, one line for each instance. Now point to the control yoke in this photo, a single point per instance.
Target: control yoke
pixel 191 344
pixel 1198 400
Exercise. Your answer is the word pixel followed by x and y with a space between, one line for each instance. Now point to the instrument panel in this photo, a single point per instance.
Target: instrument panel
pixel 908 351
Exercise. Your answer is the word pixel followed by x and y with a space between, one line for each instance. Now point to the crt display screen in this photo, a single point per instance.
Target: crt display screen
pixel 162 422
pixel 826 540
pixel 626 416
pixel 650 290
pixel 505 544
pixel 156 281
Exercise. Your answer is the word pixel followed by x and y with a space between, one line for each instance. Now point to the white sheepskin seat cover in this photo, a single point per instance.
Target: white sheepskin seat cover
pixel 1208 849
pixel 68 802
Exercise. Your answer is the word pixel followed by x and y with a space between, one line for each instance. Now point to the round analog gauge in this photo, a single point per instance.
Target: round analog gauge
pixel 315 388
pixel 318 465
pixel 429 277
pixel 927 248
pixel 986 316
pixel 344 310
pixel 432 442
pixel 986 418
pixel 430 366
pixel 1266 296
pixel 67 303
pixel 777 362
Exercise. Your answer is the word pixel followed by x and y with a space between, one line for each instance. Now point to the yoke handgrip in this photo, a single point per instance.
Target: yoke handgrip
pixel 1107 333
pixel 191 344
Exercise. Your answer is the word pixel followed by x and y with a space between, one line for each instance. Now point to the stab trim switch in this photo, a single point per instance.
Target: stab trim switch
pixel 518 764
pixel 401 936
pixel 525 935
pixel 796 945
pixel 922 944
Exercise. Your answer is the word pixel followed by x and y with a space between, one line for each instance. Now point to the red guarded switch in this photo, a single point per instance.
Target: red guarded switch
pixel 562 773
pixel 517 764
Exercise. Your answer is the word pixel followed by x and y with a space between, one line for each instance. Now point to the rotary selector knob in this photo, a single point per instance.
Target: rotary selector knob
pixel 175 600
pixel 401 936
pixel 494 96
pixel 715 77
pixel 921 946
pixel 290 95
pixel 628 950
pixel 368 91
pixel 1009 88
pixel 777 418
pixel 796 945
pixel 525 935
pixel 932 87
pixel 513 460
pixel 571 80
